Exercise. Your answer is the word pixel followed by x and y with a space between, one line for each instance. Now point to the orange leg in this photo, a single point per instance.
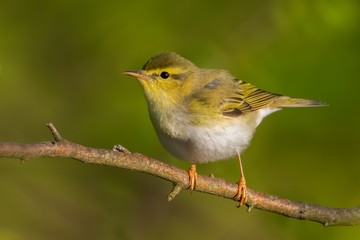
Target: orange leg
pixel 192 176
pixel 241 194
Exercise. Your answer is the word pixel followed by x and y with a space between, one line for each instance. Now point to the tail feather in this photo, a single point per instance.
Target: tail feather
pixel 285 102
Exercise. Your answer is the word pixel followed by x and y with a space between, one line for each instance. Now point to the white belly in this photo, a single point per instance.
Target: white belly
pixel 208 144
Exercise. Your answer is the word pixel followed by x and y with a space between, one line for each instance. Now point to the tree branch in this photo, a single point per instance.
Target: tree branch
pixel 120 157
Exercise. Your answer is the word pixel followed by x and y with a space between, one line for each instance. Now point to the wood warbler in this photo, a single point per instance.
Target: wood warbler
pixel 205 115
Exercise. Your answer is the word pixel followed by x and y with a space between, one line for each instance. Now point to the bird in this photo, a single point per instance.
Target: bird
pixel 205 115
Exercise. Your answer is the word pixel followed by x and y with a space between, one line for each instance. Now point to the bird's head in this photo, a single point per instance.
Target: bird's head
pixel 166 76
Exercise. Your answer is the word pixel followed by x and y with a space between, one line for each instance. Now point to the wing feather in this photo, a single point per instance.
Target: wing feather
pixel 227 97
pixel 246 98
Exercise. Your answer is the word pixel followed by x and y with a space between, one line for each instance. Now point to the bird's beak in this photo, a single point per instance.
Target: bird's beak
pixel 138 74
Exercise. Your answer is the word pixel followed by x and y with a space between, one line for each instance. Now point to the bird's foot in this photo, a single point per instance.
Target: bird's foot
pixel 192 177
pixel 241 194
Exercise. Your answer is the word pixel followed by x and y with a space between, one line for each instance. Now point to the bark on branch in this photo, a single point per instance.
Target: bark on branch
pixel 120 157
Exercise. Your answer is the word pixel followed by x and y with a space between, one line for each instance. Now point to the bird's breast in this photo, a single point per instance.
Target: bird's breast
pixel 207 144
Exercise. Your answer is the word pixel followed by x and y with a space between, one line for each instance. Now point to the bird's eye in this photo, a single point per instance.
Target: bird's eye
pixel 164 75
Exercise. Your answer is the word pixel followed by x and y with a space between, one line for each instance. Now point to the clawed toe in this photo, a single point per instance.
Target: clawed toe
pixel 192 177
pixel 241 194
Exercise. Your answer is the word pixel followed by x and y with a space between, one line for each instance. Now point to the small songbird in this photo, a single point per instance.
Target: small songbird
pixel 205 115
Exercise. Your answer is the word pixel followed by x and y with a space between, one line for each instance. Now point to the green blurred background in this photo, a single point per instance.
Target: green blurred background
pixel 62 62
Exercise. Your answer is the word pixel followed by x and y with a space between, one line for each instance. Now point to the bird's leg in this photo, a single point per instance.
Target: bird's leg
pixel 192 176
pixel 241 194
